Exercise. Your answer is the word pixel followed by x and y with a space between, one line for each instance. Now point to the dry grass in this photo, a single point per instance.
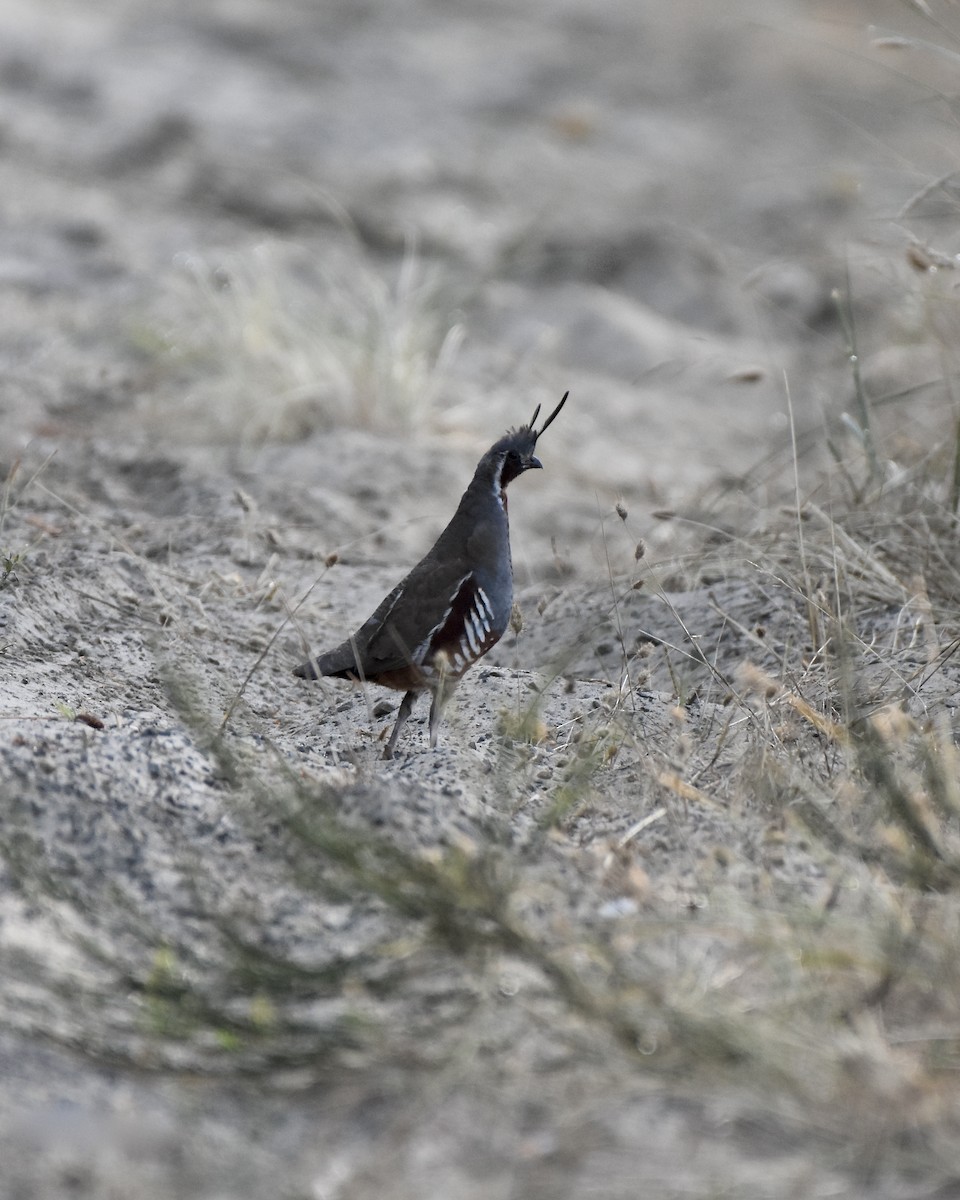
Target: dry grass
pixel 279 341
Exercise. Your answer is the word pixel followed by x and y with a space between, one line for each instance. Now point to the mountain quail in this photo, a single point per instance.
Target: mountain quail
pixel 454 605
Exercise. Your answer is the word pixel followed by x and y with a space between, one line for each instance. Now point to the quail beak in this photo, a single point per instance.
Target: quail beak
pixel 532 461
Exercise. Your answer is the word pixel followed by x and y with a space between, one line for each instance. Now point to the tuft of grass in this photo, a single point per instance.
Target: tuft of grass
pixel 9 561
pixel 12 559
pixel 277 342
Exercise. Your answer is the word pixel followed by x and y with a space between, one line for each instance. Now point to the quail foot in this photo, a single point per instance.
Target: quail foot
pixel 454 605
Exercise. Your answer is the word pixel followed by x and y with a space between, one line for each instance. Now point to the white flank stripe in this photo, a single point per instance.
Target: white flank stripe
pixel 470 631
pixel 484 601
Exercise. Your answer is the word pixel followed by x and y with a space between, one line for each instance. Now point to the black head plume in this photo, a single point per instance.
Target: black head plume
pixel 549 421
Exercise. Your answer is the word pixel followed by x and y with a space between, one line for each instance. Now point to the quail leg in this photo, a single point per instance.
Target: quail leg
pixel 406 707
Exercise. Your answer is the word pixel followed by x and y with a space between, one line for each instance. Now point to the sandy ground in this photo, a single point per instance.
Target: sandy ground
pixel 273 275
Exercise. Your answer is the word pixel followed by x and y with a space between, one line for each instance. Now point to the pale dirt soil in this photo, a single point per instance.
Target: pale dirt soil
pixel 237 237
